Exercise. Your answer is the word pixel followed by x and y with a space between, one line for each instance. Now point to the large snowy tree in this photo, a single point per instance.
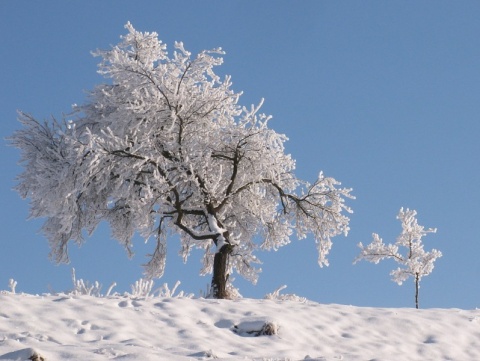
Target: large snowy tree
pixel 164 148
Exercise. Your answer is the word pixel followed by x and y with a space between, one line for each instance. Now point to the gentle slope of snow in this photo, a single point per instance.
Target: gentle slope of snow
pixel 64 327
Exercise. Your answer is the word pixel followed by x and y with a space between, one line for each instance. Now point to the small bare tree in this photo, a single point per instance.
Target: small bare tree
pixel 415 262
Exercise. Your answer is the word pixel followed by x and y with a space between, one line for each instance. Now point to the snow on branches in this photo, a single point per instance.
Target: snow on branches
pixel 415 261
pixel 163 147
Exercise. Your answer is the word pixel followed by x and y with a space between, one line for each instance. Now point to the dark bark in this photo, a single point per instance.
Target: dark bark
pixel 220 277
pixel 417 286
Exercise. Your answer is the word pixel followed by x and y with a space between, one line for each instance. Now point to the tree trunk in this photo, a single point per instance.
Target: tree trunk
pixel 417 281
pixel 219 279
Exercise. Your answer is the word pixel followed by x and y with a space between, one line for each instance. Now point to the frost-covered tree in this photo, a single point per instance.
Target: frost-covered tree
pixel 414 260
pixel 164 148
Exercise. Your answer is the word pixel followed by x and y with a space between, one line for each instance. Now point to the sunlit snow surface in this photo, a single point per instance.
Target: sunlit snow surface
pixel 64 327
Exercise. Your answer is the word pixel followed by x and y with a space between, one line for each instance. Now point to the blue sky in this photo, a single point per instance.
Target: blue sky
pixel 383 96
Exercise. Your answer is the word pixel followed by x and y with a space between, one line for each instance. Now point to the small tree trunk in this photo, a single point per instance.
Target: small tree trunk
pixel 417 281
pixel 219 279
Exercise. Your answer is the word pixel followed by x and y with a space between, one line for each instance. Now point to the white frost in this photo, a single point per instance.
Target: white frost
pixel 164 147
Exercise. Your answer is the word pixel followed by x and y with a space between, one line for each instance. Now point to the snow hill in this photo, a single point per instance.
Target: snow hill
pixel 82 327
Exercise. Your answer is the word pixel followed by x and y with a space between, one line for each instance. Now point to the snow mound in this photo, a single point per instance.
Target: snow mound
pixel 256 327
pixel 26 354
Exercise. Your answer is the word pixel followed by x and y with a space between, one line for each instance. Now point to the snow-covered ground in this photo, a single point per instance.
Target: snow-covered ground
pixel 81 327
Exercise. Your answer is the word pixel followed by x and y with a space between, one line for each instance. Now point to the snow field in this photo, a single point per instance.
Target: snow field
pixel 65 327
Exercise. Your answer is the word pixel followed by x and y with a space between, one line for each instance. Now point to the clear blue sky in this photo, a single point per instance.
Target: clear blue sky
pixel 382 95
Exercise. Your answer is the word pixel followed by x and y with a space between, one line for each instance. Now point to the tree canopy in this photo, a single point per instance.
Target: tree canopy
pixel 163 147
